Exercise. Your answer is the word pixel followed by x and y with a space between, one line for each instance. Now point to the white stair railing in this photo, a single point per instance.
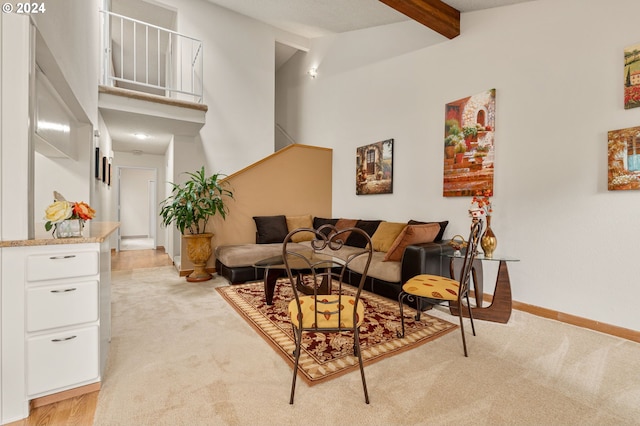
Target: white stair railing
pixel 147 58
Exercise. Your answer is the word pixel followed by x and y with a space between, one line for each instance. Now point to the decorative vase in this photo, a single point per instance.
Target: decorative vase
pixel 488 242
pixel 70 228
pixel 199 252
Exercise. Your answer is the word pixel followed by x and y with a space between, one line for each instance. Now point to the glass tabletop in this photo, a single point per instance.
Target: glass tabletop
pixel 497 257
pixel 308 260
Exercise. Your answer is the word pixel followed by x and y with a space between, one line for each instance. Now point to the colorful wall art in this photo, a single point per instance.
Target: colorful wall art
pixel 469 145
pixel 632 76
pixel 624 159
pixel 374 168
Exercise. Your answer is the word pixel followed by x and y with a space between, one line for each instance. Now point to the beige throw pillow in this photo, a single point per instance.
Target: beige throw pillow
pixel 303 221
pixel 385 235
pixel 411 234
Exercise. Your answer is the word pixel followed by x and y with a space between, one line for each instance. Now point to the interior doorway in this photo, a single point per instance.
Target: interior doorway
pixel 136 208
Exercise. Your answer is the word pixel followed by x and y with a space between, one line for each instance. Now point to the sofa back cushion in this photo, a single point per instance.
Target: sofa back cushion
pixel 412 234
pixel 319 221
pixel 386 234
pixel 271 229
pixel 358 240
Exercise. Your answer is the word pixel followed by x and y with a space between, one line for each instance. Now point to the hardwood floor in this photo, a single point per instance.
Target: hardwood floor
pixel 79 410
pixel 136 259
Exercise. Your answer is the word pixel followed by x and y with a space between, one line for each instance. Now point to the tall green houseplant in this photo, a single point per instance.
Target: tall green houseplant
pixel 192 204
pixel 189 207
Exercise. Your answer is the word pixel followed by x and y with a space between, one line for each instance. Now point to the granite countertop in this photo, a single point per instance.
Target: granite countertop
pixel 94 232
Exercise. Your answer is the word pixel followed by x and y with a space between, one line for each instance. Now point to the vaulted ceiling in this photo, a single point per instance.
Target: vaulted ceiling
pixel 315 18
pixel 306 18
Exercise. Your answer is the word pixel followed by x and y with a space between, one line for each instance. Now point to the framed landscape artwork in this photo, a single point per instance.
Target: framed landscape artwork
pixel 632 76
pixel 469 145
pixel 624 159
pixel 374 168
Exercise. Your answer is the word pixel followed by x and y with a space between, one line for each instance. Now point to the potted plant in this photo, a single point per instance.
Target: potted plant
pixel 470 133
pixel 453 135
pixel 460 149
pixel 189 207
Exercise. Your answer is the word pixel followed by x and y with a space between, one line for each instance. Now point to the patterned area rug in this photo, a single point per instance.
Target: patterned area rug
pixel 324 358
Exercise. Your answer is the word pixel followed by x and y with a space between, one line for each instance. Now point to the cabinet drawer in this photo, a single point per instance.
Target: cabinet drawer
pixel 59 360
pixel 62 265
pixel 62 305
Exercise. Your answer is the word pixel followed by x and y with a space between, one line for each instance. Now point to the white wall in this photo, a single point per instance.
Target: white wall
pixel 76 48
pixel 239 75
pixel 134 201
pixel 557 68
pixel 157 162
pixel 15 157
pixel 70 61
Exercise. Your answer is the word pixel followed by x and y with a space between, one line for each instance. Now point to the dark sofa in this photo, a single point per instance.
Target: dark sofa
pixel 385 276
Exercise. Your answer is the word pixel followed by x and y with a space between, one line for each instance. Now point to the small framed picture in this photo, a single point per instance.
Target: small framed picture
pixel 97 163
pixel 104 169
pixel 109 175
pixel 374 168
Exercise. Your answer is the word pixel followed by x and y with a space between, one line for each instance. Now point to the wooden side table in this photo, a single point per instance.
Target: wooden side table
pixel 500 308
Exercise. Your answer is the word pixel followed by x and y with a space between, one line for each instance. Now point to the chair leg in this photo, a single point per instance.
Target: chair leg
pixel 298 338
pixel 464 341
pixel 473 328
pixel 356 342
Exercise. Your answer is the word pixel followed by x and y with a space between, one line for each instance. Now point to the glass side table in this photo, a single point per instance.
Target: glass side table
pixel 275 268
pixel 499 310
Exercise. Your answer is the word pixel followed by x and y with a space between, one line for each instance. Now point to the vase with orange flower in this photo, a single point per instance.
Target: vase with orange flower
pixel 488 241
pixel 67 217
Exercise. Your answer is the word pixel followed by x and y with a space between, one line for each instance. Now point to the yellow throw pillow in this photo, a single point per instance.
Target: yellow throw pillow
pixel 304 221
pixel 386 234
pixel 412 234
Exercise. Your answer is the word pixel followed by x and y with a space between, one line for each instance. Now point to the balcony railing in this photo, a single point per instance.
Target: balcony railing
pixel 147 58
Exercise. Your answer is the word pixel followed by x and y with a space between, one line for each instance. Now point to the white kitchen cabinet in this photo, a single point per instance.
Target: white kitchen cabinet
pixel 62 305
pixel 56 317
pixel 61 359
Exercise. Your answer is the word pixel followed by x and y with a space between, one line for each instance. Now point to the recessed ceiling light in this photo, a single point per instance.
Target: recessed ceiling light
pixel 136 152
pixel 141 136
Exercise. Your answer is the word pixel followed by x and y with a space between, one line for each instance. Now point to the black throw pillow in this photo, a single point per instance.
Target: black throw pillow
pixel 319 221
pixel 271 229
pixel 368 226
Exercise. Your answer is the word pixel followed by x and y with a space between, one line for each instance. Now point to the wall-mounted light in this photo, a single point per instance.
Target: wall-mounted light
pixel 313 72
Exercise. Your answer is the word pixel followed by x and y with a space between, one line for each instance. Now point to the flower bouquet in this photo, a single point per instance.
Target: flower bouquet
pixel 67 217
pixel 481 204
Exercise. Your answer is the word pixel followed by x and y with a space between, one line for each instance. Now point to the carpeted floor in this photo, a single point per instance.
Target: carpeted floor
pixel 180 355
pixel 331 355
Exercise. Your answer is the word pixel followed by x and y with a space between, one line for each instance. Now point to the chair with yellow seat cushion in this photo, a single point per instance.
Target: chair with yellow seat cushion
pixel 337 312
pixel 435 289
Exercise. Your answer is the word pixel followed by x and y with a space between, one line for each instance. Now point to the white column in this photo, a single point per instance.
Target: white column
pixel 15 151
pixel 15 195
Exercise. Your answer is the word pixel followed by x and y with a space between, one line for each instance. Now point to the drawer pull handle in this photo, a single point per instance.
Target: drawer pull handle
pixel 64 291
pixel 64 339
pixel 68 256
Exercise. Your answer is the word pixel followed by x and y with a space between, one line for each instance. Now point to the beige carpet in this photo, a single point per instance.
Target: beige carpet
pixel 331 355
pixel 180 355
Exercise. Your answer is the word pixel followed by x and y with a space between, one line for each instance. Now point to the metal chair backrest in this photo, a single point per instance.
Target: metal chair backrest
pixel 470 255
pixel 325 266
